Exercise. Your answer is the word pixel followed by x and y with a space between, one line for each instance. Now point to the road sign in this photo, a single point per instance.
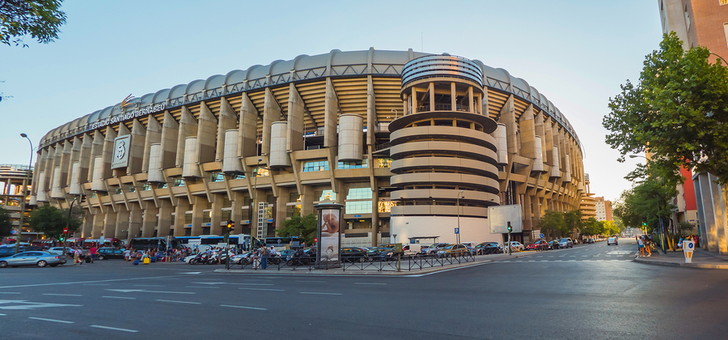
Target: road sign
pixel 457 231
pixel 542 235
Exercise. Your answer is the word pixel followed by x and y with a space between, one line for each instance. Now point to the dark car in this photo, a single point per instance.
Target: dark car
pixel 354 254
pixel 109 253
pixel 382 253
pixel 303 257
pixel 488 248
pixel 554 244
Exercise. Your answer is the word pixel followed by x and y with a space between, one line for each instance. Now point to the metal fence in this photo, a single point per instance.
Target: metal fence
pixel 404 263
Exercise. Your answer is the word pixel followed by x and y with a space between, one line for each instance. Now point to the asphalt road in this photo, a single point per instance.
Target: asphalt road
pixel 590 291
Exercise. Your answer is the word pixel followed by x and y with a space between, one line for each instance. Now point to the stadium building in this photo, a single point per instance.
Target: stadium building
pixel 411 144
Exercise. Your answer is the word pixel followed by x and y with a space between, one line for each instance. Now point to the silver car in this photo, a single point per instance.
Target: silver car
pixel 32 258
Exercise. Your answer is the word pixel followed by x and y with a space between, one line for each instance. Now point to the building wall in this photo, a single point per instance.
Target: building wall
pixel 12 178
pixel 215 149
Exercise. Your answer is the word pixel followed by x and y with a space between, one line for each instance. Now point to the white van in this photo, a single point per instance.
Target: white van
pixel 411 249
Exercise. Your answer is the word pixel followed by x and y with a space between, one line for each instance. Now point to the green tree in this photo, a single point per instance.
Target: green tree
pixel 592 227
pixel 5 223
pixel 610 228
pixel 41 19
pixel 51 221
pixel 678 112
pixel 552 224
pixel 573 222
pixel 304 227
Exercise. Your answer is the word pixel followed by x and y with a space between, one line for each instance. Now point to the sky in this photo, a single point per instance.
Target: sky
pixel 576 53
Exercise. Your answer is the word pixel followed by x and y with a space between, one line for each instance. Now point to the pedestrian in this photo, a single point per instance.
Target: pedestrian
pixel 264 258
pixel 76 256
pixel 256 259
pixel 648 246
pixel 641 246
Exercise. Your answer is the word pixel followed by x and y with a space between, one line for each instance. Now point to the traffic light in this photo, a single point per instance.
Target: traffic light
pixel 510 228
pixel 230 225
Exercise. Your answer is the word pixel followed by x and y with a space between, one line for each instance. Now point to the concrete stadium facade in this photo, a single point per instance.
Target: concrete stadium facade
pixel 411 144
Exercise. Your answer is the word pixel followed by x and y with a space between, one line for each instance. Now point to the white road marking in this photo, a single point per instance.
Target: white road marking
pixel 210 283
pixel 310 281
pixel 190 273
pixel 244 307
pixel 175 301
pixel 9 293
pixel 119 297
pixel 148 291
pixel 371 283
pixel 96 284
pixel 320 293
pixel 116 329
pixel 208 287
pixel 84 282
pixel 255 284
pixel 264 289
pixel 1 314
pixel 50 320
pixel 26 305
pixel 59 294
pixel 148 285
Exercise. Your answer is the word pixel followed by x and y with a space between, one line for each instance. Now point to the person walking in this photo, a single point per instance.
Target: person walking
pixel 641 246
pixel 264 258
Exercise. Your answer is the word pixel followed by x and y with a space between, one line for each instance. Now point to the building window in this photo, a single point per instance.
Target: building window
pixel 315 166
pixel 328 194
pixel 217 177
pixel 723 2
pixel 261 172
pixel 359 193
pixel 359 207
pixel 146 187
pixel 725 30
pixel 238 176
pixel 353 164
pixel 161 185
pixel 117 191
pixel 383 162
pixel 132 188
pixel 179 182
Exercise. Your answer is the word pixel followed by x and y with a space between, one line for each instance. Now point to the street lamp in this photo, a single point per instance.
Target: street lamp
pixel 25 189
pixel 457 203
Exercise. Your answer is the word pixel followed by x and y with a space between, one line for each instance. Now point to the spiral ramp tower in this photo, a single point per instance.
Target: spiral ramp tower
pixel 444 154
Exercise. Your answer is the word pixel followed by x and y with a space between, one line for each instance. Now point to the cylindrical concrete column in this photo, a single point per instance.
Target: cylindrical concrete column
pixel 97 182
pixel 189 165
pixel 230 160
pixel 154 173
pixel 555 170
pixel 278 153
pixel 501 143
pixel 538 161
pixel 56 189
pixel 350 137
pixel 75 187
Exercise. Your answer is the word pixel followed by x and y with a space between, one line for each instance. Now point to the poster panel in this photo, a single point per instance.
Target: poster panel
pixel 329 226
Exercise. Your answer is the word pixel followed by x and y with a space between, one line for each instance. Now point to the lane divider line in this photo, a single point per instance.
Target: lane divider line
pixel 116 329
pixel 175 301
pixel 244 307
pixel 263 289
pixel 49 320
pixel 60 294
pixel 119 297
pixel 320 293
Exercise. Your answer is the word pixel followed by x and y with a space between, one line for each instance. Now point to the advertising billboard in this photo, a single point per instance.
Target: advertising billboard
pixel 499 216
pixel 329 234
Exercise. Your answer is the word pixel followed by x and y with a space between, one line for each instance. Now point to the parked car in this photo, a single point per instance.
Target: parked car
pixel 7 251
pixel 109 253
pixel 454 250
pixel 435 247
pixel 32 258
pixel 489 248
pixel 412 249
pixel 59 250
pixel 613 241
pixel 538 245
pixel 354 254
pixel 554 244
pixel 566 243
pixel 590 240
pixel 517 246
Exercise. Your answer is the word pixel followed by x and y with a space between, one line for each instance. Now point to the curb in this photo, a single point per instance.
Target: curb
pixel 335 272
pixel 681 264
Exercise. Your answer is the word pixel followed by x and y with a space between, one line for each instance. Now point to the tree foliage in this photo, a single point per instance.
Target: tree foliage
pixel 647 202
pixel 557 224
pixel 304 227
pixel 51 221
pixel 5 223
pixel 41 19
pixel 678 112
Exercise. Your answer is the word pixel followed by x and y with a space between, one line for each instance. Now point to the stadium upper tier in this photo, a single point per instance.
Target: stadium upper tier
pixel 304 68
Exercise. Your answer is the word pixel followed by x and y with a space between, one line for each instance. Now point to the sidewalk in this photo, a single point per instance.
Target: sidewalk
pixel 701 259
pixel 371 271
